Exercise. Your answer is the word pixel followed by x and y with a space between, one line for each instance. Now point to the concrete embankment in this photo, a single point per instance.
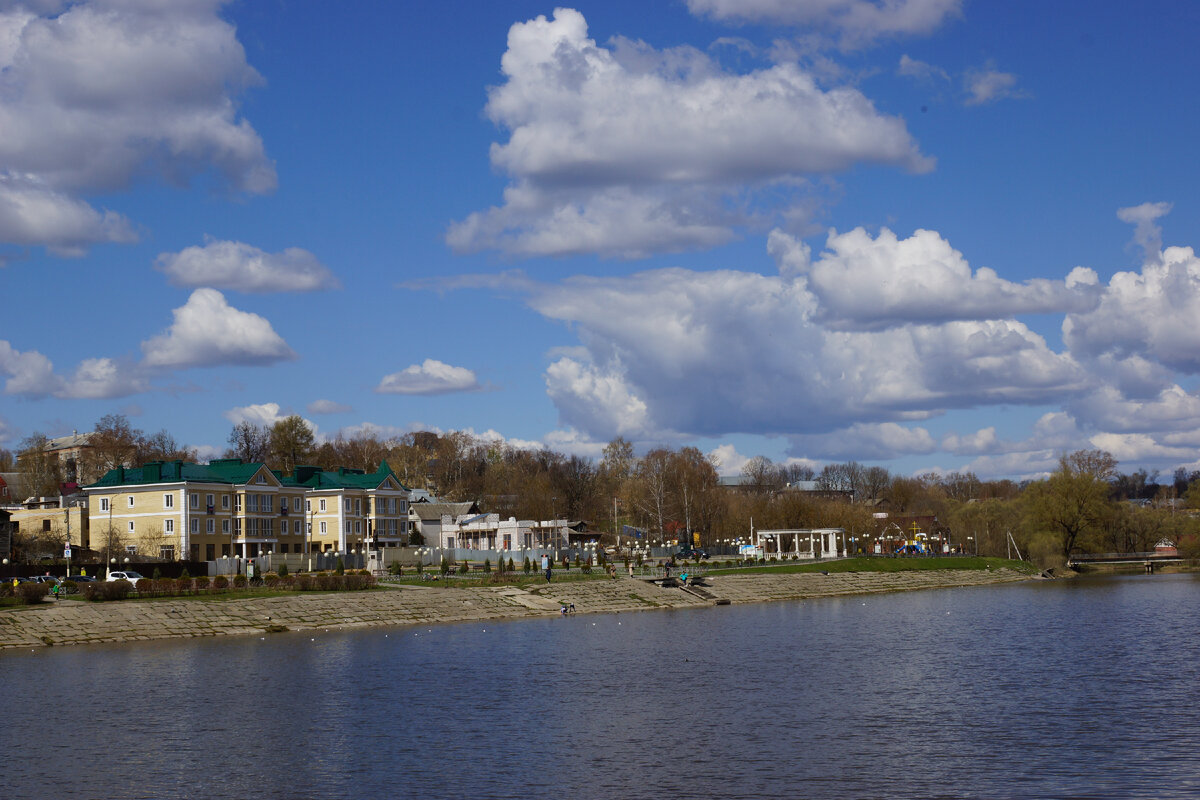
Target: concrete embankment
pixel 77 622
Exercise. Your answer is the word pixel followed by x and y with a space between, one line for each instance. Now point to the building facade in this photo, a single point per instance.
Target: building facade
pixel 178 510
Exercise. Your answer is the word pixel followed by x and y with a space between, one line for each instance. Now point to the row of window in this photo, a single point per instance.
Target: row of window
pixel 256 502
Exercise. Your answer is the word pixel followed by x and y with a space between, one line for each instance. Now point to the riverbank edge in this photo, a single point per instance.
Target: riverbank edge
pixel 72 622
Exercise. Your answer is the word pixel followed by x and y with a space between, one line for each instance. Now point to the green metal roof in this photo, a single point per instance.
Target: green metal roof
pixel 234 471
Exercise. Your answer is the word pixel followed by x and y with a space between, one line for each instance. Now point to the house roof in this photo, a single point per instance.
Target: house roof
pixel 75 439
pixel 435 511
pixel 235 472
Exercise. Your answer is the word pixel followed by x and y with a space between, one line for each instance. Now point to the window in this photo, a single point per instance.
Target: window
pixel 167 552
pixel 45 526
pixel 346 505
pixel 195 525
pixel 225 502
pixel 208 501
pixel 323 529
pixel 237 503
pixel 169 527
pixel 193 500
pixel 131 501
pixel 295 504
pixel 322 505
pixel 224 549
pixel 310 529
pixel 131 549
pixel 283 548
pixel 210 526
pixel 358 526
pixel 358 506
pixel 296 528
pixel 307 506
pixel 224 526
pixel 168 501
pixel 131 526
pixel 260 478
pixel 252 503
pixel 104 504
pixel 210 552
pixel 195 552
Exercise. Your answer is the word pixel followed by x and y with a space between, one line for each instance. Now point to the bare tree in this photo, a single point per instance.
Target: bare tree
pixel 249 442
pixel 40 470
pixel 763 474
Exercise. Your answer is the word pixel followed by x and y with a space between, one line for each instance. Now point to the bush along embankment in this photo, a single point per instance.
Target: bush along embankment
pixel 191 587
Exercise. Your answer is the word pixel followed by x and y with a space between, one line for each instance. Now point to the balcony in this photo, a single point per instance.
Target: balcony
pixel 212 510
pixel 283 512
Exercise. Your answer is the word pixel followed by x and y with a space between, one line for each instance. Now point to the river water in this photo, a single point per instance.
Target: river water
pixel 1056 689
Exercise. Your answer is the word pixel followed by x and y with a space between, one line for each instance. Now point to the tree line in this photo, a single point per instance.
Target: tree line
pixel 1084 505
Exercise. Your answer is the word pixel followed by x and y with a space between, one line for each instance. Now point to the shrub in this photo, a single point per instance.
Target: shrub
pixel 527 566
pixel 6 588
pixel 220 582
pixel 184 574
pixel 420 568
pixel 487 565
pixel 143 585
pixel 364 572
pixel 32 593
pixel 304 582
pixel 201 584
pixel 107 590
pixel 394 568
pixel 341 567
pixel 445 567
pixel 283 570
pixel 239 581
pixel 510 564
pixel 577 561
pixel 464 568
pixel 182 585
pixel 69 587
pixel 161 587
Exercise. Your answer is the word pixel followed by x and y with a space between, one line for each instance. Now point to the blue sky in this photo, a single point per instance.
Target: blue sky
pixel 928 234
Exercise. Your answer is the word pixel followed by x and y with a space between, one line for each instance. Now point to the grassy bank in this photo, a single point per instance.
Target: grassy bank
pixel 881 564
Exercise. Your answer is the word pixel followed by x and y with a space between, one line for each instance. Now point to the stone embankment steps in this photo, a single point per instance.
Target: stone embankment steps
pixel 76 622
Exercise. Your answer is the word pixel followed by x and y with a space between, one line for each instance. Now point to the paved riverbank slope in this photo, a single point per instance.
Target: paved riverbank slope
pixel 77 622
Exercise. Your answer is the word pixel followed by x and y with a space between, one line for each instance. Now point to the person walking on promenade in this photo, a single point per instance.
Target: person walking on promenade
pixel 546 565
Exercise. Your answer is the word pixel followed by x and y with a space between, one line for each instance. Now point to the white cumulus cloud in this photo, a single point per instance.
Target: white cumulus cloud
pixel 627 150
pixel 32 213
pixel 242 267
pixel 208 332
pixel 866 283
pixel 96 93
pixel 429 377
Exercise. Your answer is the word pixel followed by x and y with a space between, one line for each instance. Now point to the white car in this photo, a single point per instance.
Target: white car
pixel 127 575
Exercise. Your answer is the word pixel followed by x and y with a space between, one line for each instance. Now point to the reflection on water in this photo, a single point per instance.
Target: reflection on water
pixel 1049 689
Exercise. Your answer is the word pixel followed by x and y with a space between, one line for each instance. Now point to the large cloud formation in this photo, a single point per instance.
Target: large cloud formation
pixel 96 93
pixel 843 353
pixel 627 150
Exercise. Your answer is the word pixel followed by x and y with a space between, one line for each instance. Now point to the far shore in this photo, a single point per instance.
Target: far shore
pixel 70 622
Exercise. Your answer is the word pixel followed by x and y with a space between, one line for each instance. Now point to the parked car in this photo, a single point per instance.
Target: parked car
pixel 81 578
pixel 43 579
pixel 691 554
pixel 126 575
